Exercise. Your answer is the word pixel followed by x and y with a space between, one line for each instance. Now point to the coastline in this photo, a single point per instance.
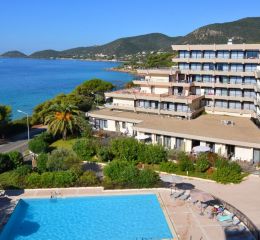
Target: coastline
pixel 122 70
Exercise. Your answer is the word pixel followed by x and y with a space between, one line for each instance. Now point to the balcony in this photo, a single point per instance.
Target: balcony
pixel 119 107
pixel 231 98
pixel 230 110
pixel 216 60
pixel 158 71
pixel 177 83
pixel 136 93
pixel 218 73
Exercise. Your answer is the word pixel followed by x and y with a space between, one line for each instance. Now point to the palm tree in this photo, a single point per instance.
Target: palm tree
pixel 63 119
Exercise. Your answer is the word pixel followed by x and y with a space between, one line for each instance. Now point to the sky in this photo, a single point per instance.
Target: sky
pixel 32 25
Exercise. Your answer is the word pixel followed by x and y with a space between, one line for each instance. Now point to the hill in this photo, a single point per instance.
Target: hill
pixel 119 47
pixel 246 30
pixel 14 54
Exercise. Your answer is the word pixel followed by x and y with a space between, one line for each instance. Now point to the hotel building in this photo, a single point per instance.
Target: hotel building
pixel 167 104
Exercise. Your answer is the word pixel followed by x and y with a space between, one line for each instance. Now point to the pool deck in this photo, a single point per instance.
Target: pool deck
pixel 183 218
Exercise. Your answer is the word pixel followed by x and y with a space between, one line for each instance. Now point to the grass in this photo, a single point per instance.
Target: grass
pixel 65 144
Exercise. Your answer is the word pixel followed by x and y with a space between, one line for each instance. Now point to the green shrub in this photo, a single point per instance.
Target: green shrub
pixel 61 159
pixel 88 178
pixel 147 178
pixel 10 180
pixel 221 162
pixel 33 180
pixel 5 163
pixel 226 174
pixel 124 174
pixel 85 148
pixel 202 163
pixel 23 171
pixel 169 167
pixel 38 145
pixel 47 179
pixel 105 155
pixel 126 149
pixel 186 165
pixel 16 158
pixel 151 153
pixel 46 137
pixel 63 179
pixel 42 162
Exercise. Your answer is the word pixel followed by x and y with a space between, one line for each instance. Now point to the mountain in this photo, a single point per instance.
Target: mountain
pixel 14 54
pixel 246 30
pixel 119 47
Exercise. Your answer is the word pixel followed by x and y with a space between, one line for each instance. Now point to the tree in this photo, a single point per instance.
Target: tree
pixel 85 148
pixel 5 117
pixel 63 119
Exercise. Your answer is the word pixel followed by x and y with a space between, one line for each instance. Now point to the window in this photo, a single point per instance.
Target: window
pixel 235 92
pixel 198 78
pixel 221 104
pixel 167 141
pixel 250 80
pixel 249 106
pixel 252 54
pixel 222 67
pixel 158 139
pixel 141 103
pixel 237 54
pixel 250 67
pixel 236 67
pixel 184 54
pixel 196 54
pixel 195 66
pixel 223 79
pixel 249 93
pixel 100 123
pixel 235 80
pixel 123 125
pixel 234 105
pixel 223 54
pixel 208 66
pixel 179 143
pixel 183 66
pixel 209 54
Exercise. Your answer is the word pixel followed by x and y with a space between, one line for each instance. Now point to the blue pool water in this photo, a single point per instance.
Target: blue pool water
pixel 107 218
pixel 24 83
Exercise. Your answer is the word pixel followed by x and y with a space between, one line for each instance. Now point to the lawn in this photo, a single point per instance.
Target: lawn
pixel 66 144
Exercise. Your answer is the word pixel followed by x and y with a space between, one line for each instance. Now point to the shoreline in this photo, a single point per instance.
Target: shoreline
pixel 134 72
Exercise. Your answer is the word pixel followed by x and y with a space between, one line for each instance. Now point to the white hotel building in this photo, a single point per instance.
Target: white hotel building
pixel 167 104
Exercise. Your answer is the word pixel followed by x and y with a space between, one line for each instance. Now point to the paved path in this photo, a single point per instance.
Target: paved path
pixel 244 196
pixel 20 141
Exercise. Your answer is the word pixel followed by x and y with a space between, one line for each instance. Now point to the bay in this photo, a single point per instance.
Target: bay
pixel 24 83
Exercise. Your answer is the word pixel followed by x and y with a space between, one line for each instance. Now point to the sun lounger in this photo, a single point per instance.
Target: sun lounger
pixel 234 222
pixel 184 196
pixel 177 194
pixel 222 218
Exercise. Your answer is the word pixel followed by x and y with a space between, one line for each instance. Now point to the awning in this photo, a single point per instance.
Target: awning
pixel 142 137
pixel 199 149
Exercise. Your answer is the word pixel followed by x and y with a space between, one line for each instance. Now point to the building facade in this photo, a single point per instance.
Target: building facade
pixel 227 75
pixel 165 105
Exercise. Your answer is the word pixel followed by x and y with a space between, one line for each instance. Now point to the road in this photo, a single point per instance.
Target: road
pixel 20 141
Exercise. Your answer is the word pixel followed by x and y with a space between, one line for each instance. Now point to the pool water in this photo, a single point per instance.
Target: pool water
pixel 103 217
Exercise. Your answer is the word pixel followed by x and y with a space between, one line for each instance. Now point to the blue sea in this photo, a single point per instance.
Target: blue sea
pixel 132 217
pixel 24 83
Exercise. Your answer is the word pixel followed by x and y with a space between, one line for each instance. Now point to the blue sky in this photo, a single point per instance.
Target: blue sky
pixel 30 25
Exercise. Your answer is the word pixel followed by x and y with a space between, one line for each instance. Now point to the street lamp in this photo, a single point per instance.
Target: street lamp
pixel 28 126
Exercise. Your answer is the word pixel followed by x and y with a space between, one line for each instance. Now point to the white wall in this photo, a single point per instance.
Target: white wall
pixel 243 153
pixel 123 102
pixel 159 78
pixel 220 149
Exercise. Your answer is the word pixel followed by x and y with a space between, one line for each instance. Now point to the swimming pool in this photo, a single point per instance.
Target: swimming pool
pixel 99 217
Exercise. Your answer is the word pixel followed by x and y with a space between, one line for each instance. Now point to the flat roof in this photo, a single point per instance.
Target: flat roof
pixel 206 127
pixel 215 47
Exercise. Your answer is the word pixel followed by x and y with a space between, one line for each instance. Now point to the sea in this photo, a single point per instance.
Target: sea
pixel 25 83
